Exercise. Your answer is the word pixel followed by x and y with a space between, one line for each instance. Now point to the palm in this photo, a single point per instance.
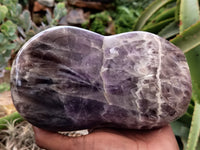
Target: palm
pixel 109 139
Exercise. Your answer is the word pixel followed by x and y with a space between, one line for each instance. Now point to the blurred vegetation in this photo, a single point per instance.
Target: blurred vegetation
pixel 4 87
pixel 16 26
pixel 99 22
pixel 123 14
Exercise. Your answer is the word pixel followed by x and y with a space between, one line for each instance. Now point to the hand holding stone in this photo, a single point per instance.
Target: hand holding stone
pixel 109 139
pixel 67 78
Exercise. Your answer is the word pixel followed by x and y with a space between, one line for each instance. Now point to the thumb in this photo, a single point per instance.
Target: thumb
pixel 55 141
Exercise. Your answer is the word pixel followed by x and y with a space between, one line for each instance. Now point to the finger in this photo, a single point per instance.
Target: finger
pixel 157 138
pixel 55 141
pixel 163 137
pixel 109 139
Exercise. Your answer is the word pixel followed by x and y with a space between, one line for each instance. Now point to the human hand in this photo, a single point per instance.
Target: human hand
pixel 109 139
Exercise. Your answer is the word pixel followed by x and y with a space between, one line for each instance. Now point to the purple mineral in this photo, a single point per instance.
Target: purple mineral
pixel 67 78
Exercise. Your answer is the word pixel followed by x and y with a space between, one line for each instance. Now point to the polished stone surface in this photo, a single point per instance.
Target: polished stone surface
pixel 67 78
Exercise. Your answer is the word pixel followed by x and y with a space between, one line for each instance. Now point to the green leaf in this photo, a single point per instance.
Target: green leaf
pixel 186 119
pixel 11 46
pixel 148 12
pixel 18 9
pixel 180 129
pixel 186 9
pixel 189 42
pixel 177 12
pixel 193 58
pixel 189 13
pixel 169 13
pixel 190 109
pixel 1 38
pixel 3 45
pixel 170 30
pixel 60 10
pixel 195 129
pixel 157 27
pixel 25 18
pixel 3 12
pixel 8 28
pixel 6 54
pixel 123 21
pixel 13 37
pixel 189 39
pixel 14 117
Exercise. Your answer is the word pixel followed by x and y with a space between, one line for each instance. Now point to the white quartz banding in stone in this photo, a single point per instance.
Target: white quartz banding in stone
pixel 101 71
pixel 75 79
pixel 158 78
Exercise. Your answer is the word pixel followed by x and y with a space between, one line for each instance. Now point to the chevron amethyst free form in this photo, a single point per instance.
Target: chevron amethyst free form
pixel 67 78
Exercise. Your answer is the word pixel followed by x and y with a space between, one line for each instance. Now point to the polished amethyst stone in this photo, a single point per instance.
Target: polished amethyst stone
pixel 67 78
